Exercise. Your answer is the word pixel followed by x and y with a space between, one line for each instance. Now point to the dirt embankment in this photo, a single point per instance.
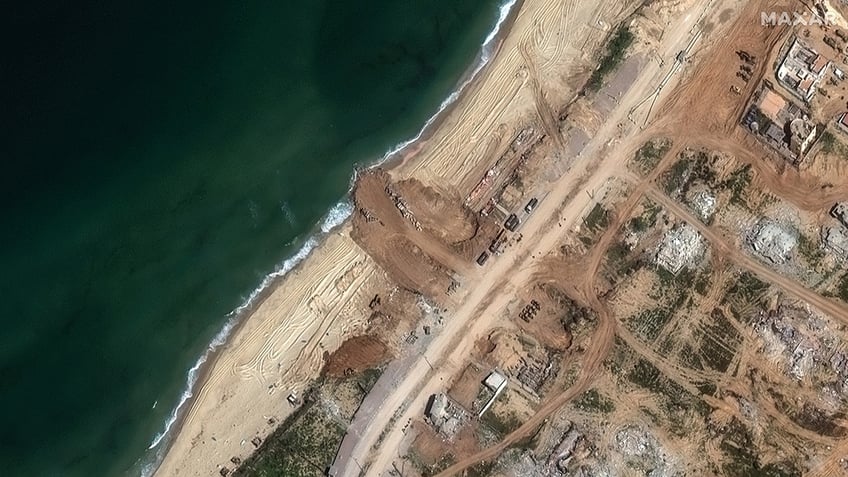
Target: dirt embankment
pixel 440 213
pixel 387 229
pixel 356 355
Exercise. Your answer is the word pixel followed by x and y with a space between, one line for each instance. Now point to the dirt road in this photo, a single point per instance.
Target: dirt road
pixel 493 289
pixel 830 307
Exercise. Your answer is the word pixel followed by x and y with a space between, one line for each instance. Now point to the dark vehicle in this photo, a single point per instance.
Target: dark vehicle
pixel 482 258
pixel 511 223
pixel 531 205
pixel 497 244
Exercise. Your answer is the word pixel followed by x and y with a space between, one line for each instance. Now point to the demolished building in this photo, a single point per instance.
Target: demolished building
pixel 835 238
pixel 773 241
pixel 445 415
pixel 840 212
pixel 681 246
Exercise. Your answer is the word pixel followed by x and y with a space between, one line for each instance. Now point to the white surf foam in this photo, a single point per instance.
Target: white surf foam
pixel 485 56
pixel 335 217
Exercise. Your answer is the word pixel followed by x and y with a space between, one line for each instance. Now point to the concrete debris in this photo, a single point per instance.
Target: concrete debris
pixel 533 372
pixel 773 241
pixel 445 415
pixel 835 238
pixel 401 206
pixel 565 448
pixel 634 442
pixel 704 203
pixel 637 443
pixel 801 362
pixel 748 409
pixel 840 212
pixel 794 338
pixel 681 246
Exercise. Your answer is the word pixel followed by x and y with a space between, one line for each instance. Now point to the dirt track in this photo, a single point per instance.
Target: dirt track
pixel 833 308
pixel 805 194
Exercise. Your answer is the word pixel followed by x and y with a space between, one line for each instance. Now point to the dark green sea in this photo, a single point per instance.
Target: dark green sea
pixel 159 161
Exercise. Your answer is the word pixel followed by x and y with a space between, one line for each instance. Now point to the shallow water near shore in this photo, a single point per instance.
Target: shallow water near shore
pixel 159 162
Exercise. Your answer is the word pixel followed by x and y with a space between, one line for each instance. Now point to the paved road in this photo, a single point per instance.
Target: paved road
pixel 345 462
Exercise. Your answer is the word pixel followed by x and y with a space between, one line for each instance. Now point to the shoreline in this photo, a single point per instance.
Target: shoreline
pixel 337 217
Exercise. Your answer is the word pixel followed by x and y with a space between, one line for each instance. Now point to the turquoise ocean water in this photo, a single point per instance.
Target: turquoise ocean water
pixel 159 161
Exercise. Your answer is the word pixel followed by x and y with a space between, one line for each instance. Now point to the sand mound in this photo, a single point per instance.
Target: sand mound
pixel 356 354
pixel 441 214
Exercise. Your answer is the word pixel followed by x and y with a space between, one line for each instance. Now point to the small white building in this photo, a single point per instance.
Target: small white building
pixel 496 382
pixel 802 69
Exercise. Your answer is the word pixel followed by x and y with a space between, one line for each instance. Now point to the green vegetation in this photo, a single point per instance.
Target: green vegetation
pixel 737 183
pixel 810 250
pixel 677 404
pixel 809 416
pixel 832 145
pixel 648 218
pixel 502 425
pixel 304 446
pixel 616 48
pixel 745 293
pixel 677 177
pixel 703 283
pixel 648 323
pixel 617 358
pixel 646 375
pixel 650 154
pixel 719 342
pixel 743 456
pixel 483 469
pixel 749 287
pixel 707 388
pixel 842 288
pixel 572 312
pixel 446 461
pixel 738 445
pixel 529 442
pixel 594 401
pixel 693 166
pixel 619 262
pixel 690 358
pixel 598 218
pixel 427 470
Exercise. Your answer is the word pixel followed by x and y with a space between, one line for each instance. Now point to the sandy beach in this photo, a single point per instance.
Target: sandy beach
pixel 548 49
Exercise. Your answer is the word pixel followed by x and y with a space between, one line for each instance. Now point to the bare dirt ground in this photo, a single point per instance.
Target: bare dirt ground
pixel 356 355
pixel 698 362
pixel 602 340
pixel 803 191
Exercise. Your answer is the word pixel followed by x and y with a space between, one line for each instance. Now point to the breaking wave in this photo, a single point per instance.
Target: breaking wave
pixel 334 218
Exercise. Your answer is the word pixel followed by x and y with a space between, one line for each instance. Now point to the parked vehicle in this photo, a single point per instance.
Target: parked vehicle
pixel 481 260
pixel 512 223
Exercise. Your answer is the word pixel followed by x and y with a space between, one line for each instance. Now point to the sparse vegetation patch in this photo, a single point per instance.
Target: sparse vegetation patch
pixel 616 48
